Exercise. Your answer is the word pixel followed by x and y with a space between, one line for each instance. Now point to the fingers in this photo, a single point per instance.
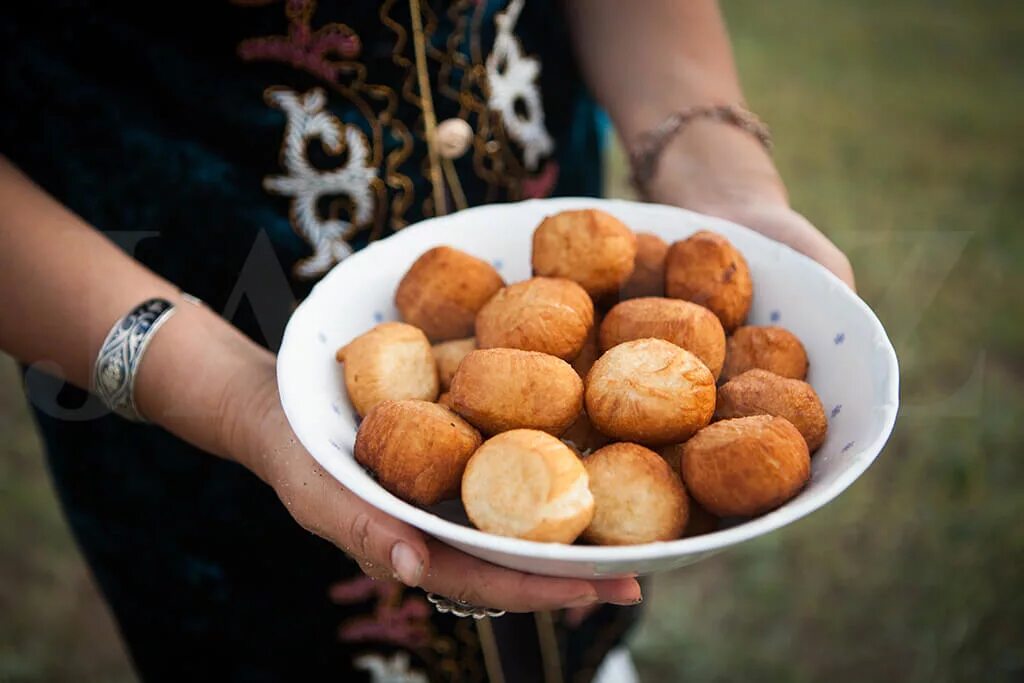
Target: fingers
pixel 387 548
pixel 625 591
pixel 383 546
pixel 805 238
pixel 813 243
pixel 458 576
pixel 783 224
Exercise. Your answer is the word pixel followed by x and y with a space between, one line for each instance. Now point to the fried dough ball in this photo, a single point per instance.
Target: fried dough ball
pixel 550 315
pixel 589 246
pixel 418 450
pixel 443 291
pixel 590 352
pixel 392 361
pixel 445 400
pixel 648 278
pixel 767 347
pixel 746 466
pixel 650 391
pixel 501 389
pixel 759 392
pixel 583 437
pixel 701 521
pixel 637 497
pixel 673 455
pixel 448 356
pixel 527 484
pixel 707 270
pixel 683 323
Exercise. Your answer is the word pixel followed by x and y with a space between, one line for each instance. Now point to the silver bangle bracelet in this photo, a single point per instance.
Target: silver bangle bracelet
pixel 113 377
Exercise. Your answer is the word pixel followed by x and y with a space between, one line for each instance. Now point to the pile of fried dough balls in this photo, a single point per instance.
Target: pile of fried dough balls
pixel 555 423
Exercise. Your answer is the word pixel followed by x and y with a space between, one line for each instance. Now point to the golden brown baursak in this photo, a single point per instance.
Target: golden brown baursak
pixel 651 392
pixel 746 466
pixel 527 484
pixel 683 323
pixel 583 437
pixel 590 352
pixel 391 361
pixel 549 315
pixel 417 450
pixel 759 392
pixel 501 389
pixel 767 347
pixel 637 497
pixel 648 278
pixel 707 270
pixel 588 246
pixel 448 356
pixel 443 291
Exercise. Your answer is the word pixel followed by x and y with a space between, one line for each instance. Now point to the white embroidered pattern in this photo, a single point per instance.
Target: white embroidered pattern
pixel 512 79
pixel 393 670
pixel 307 184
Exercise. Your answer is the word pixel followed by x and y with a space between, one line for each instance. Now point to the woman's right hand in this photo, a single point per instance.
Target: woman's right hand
pixel 383 546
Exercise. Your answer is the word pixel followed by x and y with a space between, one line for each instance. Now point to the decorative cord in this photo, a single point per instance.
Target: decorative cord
pixel 427 103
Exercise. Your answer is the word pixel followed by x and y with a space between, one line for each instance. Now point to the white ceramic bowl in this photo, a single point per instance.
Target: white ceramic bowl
pixel 852 366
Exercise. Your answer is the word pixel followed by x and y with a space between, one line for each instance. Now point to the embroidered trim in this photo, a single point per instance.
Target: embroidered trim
pixel 329 53
pixel 306 185
pixel 512 77
pixel 394 669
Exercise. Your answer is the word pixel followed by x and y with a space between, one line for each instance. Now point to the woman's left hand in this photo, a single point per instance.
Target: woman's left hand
pixel 722 171
pixel 782 224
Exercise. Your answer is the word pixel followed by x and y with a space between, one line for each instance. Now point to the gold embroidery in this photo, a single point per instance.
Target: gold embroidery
pixel 329 53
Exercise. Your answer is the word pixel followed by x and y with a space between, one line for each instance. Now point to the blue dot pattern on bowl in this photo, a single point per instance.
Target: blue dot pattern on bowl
pixel 775 316
pixel 838 409
pixel 847 447
pixel 336 408
pixel 378 317
pixel 498 263
pixel 839 338
pixel 337 446
pixel 322 337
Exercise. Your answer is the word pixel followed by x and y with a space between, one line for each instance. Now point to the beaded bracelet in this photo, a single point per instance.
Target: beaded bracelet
pixel 644 156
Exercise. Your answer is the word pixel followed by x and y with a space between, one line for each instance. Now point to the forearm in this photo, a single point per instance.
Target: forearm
pixel 64 285
pixel 649 59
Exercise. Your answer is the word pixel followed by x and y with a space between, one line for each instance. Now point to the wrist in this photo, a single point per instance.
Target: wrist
pixel 200 379
pixel 250 412
pixel 710 165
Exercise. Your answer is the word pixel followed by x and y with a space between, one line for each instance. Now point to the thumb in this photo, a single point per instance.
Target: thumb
pixel 381 544
pixel 378 541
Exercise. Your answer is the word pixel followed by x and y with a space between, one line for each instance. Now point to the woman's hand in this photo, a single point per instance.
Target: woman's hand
pixel 781 223
pixel 722 171
pixel 685 60
pixel 261 439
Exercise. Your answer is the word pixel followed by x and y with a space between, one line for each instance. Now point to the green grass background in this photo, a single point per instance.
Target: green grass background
pixel 899 131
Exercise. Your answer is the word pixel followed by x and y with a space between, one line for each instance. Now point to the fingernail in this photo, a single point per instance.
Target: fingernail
pixel 626 603
pixel 584 601
pixel 407 564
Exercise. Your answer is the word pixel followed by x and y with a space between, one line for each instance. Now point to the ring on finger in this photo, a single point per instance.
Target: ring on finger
pixel 461 609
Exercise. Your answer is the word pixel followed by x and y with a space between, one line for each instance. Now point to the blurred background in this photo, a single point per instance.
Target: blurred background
pixel 899 130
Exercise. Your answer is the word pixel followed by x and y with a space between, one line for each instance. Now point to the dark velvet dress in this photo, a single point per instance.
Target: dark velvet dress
pixel 241 149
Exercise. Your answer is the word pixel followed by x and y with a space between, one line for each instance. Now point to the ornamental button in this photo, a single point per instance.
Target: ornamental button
pixel 453 138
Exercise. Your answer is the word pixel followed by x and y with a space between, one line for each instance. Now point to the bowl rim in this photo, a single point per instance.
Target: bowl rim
pixel 452 532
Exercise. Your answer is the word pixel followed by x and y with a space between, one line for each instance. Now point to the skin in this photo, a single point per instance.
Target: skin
pixel 685 59
pixel 227 403
pixel 60 303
